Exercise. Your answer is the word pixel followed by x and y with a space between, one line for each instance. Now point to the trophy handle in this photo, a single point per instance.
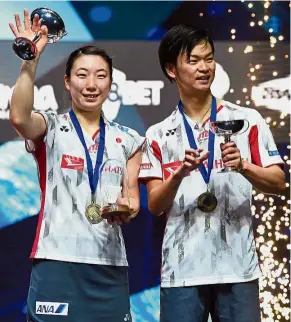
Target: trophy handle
pixel 36 37
pixel 227 138
pixel 247 127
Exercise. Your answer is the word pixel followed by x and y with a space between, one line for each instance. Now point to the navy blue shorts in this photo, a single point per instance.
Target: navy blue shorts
pixel 238 302
pixel 73 292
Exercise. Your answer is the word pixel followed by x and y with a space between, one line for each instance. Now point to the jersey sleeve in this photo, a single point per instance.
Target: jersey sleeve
pixel 151 166
pixel 51 123
pixel 134 142
pixel 264 151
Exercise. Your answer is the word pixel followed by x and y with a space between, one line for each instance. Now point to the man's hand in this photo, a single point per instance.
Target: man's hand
pixel 192 161
pixel 231 156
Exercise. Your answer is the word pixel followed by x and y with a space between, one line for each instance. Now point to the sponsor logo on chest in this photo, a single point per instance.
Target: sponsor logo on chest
pixel 170 168
pixel 71 162
pixel 113 169
pixel 146 166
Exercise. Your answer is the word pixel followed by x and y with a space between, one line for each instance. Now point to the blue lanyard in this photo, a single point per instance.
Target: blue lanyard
pixel 93 176
pixel 205 174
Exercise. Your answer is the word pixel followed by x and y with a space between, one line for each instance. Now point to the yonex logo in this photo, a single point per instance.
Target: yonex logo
pixel 64 128
pixel 52 308
pixel 171 132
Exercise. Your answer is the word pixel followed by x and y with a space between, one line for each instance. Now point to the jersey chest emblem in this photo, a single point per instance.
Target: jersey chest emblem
pixel 71 162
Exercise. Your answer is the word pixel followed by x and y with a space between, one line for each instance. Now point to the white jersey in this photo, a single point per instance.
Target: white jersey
pixel 63 232
pixel 208 248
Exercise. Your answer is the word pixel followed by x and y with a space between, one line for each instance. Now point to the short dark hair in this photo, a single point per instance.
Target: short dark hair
pixel 88 50
pixel 179 40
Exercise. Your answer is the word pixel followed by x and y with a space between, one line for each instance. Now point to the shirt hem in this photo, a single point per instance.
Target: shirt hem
pixel 210 281
pixel 80 260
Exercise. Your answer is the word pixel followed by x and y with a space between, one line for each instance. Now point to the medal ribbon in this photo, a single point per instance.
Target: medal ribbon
pixel 93 175
pixel 211 138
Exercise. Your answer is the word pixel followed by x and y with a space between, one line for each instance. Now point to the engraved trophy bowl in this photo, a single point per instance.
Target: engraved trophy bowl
pixel 113 185
pixel 227 129
pixel 25 48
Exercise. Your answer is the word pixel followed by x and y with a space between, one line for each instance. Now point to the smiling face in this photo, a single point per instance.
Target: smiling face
pixel 196 72
pixel 89 82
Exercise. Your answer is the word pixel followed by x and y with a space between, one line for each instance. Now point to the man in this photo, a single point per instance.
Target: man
pixel 209 260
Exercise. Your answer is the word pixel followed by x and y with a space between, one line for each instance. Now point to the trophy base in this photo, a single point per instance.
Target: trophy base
pixel 227 170
pixel 24 48
pixel 115 210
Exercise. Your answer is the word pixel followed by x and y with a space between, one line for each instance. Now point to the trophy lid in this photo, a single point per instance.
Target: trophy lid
pixel 54 23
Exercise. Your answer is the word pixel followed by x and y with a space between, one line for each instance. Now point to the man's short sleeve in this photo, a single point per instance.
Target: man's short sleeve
pixel 264 151
pixel 134 142
pixel 151 166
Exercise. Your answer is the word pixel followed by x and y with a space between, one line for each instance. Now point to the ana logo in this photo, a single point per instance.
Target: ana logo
pixel 44 99
pixel 71 162
pixel 170 168
pixel 171 132
pixel 52 308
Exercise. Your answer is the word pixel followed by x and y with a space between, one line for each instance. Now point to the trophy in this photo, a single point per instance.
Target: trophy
pixel 113 185
pixel 228 129
pixel 26 49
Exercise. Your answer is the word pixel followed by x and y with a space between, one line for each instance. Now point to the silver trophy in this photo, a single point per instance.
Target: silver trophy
pixel 113 185
pixel 25 48
pixel 227 129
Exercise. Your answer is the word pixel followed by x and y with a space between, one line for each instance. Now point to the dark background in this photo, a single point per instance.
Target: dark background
pixel 131 36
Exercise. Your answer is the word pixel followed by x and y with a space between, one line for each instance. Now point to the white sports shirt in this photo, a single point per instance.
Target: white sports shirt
pixel 63 232
pixel 208 248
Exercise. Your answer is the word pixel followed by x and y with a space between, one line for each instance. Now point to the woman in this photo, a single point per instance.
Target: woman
pixel 79 268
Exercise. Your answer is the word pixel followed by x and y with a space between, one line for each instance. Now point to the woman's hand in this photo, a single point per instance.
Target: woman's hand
pixel 123 217
pixel 29 31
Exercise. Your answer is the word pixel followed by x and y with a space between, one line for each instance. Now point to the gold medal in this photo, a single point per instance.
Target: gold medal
pixel 93 213
pixel 207 202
